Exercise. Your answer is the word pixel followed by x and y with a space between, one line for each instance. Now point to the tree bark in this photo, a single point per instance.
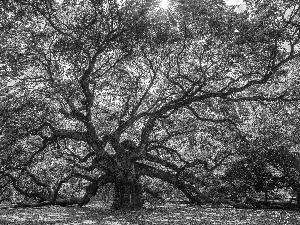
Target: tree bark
pixel 266 196
pixel 298 198
pixel 128 192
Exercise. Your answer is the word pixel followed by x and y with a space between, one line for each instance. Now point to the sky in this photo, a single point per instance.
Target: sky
pixel 241 5
pixel 234 2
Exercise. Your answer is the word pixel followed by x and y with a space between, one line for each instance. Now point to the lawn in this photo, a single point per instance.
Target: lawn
pixel 98 213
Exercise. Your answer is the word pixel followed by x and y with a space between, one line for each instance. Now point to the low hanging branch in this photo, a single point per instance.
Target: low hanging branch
pixel 189 190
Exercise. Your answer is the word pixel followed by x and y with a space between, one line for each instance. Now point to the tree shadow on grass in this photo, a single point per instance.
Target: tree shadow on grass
pixel 54 215
pixel 159 214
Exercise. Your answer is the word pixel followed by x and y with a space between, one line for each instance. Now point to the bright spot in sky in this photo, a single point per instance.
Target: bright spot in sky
pixel 59 1
pixel 240 5
pixel 164 4
pixel 234 2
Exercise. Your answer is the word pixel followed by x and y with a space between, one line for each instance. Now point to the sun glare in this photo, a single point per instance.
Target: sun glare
pixel 165 11
pixel 164 4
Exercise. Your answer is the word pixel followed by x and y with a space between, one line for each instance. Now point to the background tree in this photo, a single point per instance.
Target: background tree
pixel 270 162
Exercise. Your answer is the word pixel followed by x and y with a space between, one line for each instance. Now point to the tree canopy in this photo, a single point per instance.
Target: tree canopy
pixel 104 91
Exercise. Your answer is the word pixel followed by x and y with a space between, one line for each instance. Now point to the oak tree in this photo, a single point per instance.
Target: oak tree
pixel 105 91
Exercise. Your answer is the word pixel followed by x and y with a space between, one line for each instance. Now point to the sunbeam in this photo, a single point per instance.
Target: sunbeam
pixel 164 4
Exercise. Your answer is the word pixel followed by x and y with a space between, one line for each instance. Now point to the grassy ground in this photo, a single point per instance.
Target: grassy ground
pixel 164 214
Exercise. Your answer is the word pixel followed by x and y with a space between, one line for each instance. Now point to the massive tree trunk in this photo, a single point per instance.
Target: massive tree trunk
pixel 127 191
pixel 298 198
pixel 128 195
pixel 127 186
